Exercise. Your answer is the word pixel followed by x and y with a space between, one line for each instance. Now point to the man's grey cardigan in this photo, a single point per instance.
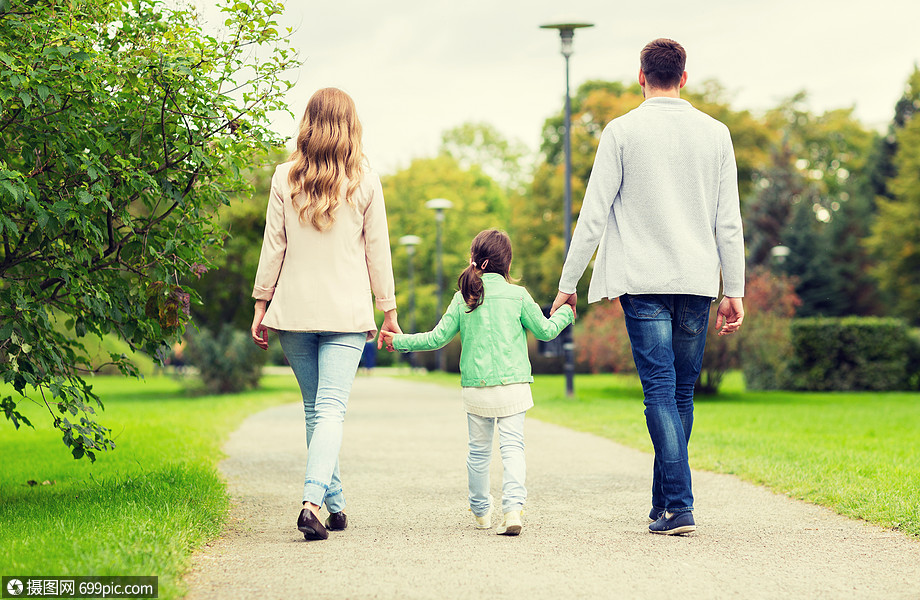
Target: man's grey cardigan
pixel 662 201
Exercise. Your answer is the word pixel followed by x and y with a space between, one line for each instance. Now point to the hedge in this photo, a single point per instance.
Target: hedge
pixel 852 354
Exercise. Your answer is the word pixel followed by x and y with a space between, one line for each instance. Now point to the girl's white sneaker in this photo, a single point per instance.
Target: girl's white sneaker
pixel 511 524
pixel 485 521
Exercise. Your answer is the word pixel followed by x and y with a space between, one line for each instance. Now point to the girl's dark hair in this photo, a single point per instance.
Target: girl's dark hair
pixel 490 252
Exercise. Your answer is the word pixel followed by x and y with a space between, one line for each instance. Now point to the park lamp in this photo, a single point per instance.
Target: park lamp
pixel 566 33
pixel 410 242
pixel 439 205
pixel 779 253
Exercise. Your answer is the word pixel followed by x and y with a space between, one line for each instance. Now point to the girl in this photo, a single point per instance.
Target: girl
pixel 325 202
pixel 492 316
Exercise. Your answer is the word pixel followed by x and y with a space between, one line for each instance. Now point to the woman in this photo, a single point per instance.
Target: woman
pixel 325 248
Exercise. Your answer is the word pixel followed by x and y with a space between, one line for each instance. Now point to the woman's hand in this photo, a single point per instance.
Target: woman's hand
pixel 259 331
pixel 386 339
pixel 389 328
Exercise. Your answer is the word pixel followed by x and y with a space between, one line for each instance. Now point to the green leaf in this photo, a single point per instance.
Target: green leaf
pixel 26 99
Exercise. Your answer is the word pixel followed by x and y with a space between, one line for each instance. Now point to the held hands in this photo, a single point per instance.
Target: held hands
pixel 730 315
pixel 389 328
pixel 386 339
pixel 561 299
pixel 258 331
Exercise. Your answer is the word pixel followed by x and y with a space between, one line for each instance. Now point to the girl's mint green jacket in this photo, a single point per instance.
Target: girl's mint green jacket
pixel 494 336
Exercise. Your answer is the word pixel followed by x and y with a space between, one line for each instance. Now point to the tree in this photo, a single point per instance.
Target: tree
pixel 123 127
pixel 481 145
pixel 895 238
pixel 812 200
pixel 225 289
pixel 881 163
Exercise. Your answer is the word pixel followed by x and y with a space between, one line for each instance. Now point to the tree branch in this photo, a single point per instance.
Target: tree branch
pixel 12 120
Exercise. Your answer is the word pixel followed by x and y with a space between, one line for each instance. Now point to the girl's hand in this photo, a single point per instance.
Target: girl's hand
pixel 390 326
pixel 386 338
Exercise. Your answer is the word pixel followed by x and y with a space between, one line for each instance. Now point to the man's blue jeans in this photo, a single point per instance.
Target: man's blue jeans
pixel 325 365
pixel 668 335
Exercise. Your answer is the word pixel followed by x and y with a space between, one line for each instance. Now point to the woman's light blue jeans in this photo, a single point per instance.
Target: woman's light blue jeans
pixel 668 334
pixel 325 365
pixel 511 443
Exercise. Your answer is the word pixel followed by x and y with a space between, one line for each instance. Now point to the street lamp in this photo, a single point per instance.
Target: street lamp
pixel 410 242
pixel 439 205
pixel 779 253
pixel 566 33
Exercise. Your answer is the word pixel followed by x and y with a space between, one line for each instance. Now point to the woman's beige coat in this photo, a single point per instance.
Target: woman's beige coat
pixel 322 280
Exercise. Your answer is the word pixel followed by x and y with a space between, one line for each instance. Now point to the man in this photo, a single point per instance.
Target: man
pixel 662 202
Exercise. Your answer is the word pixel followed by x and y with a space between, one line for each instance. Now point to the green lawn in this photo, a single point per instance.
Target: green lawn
pixel 857 453
pixel 138 510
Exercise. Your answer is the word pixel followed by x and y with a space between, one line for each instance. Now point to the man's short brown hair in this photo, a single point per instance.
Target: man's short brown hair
pixel 663 62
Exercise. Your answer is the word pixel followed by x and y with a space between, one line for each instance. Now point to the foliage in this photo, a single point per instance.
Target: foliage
pixel 895 237
pixel 850 354
pixel 227 361
pixel 481 145
pixel 766 348
pixel 139 511
pixel 881 167
pixel 225 290
pixel 123 128
pixel 812 200
pixel 722 354
pixel 602 342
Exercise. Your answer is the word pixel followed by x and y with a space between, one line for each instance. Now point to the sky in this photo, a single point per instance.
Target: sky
pixel 416 68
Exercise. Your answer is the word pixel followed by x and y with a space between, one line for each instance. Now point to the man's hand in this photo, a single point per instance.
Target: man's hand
pixel 730 315
pixel 388 329
pixel 258 331
pixel 563 298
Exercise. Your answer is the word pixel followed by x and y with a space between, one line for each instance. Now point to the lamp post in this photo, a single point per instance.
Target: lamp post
pixel 410 242
pixel 439 205
pixel 566 33
pixel 779 253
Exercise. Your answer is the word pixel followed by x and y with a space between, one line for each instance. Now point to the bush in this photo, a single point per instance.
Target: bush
pixel 227 362
pixel 602 343
pixel 913 360
pixel 851 354
pixel 765 346
pixel 721 355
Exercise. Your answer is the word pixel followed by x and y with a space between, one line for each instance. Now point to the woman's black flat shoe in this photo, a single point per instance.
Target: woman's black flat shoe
pixel 336 521
pixel 309 525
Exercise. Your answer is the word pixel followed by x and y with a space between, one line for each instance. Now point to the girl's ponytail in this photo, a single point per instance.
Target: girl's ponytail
pixel 490 252
pixel 470 282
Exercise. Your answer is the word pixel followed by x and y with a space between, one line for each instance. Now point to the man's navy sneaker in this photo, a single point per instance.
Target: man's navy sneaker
pixel 678 524
pixel 655 514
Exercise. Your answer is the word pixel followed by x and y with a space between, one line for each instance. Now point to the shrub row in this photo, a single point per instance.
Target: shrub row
pixel 852 353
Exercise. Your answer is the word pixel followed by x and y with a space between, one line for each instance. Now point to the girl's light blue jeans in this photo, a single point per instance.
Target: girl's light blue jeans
pixel 511 443
pixel 325 364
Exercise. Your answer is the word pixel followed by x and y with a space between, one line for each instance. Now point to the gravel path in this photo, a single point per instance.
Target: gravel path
pixel 585 527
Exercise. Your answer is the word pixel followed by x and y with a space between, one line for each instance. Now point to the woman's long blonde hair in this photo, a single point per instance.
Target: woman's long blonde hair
pixel 328 155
